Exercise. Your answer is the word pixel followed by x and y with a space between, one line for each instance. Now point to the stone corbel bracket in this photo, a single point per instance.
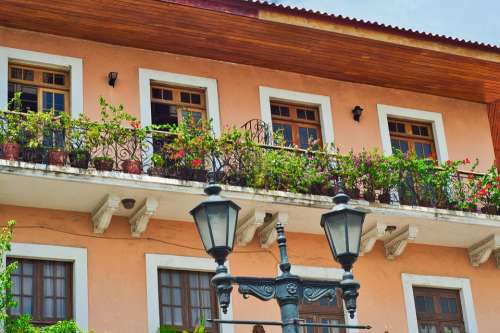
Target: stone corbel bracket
pixel 268 234
pixel 480 252
pixel 101 216
pixel 140 219
pixel 246 229
pixel 396 244
pixel 369 238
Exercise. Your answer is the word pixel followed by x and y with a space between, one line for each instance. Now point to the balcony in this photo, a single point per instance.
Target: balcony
pixel 90 166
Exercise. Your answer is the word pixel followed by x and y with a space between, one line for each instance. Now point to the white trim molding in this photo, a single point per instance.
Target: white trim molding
pixel 429 281
pixel 324 274
pixel 210 86
pixel 157 261
pixel 76 255
pixel 323 102
pixel 74 65
pixel 435 118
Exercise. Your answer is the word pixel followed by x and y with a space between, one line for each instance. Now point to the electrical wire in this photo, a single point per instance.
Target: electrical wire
pixel 140 239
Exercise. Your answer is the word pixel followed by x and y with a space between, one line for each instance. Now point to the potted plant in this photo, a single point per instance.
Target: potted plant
pixel 108 135
pixel 55 128
pixel 33 128
pixel 83 137
pixel 157 166
pixel 487 191
pixel 12 129
pixel 189 148
pixel 134 139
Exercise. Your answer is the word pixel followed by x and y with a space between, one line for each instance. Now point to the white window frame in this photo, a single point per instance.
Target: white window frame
pixel 429 281
pixel 76 255
pixel 165 261
pixel 322 102
pixel 74 65
pixel 325 274
pixel 435 118
pixel 208 84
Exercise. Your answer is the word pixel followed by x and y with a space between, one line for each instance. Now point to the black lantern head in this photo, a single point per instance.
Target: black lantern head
pixel 343 225
pixel 216 219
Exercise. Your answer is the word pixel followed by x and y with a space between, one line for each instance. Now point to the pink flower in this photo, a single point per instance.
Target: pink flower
pixel 466 161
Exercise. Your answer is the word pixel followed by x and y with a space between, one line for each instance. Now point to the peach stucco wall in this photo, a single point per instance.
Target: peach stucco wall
pixel 117 279
pixel 466 123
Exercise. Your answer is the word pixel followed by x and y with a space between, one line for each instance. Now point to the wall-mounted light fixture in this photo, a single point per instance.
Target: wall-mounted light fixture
pixel 356 112
pixel 112 76
pixel 128 203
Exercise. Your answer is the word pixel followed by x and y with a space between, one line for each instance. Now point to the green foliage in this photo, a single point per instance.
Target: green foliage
pixel 6 301
pixel 172 329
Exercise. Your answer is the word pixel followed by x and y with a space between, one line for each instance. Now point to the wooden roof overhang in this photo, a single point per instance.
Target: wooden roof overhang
pixel 235 33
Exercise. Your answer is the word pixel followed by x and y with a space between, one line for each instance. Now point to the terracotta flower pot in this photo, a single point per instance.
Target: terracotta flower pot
pixel 57 157
pixel 11 151
pixel 79 159
pixel 33 155
pixel 156 171
pixel 131 166
pixel 384 197
pixel 490 209
pixel 369 196
pixel 103 164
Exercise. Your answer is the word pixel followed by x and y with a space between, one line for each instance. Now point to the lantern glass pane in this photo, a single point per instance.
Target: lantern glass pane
pixel 203 227
pixel 218 214
pixel 233 220
pixel 335 225
pixel 354 231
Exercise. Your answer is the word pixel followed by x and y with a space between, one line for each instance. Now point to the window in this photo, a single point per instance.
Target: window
pixel 169 105
pixel 42 289
pixel 299 124
pixel 411 136
pixel 323 311
pixel 438 310
pixel 185 296
pixel 42 89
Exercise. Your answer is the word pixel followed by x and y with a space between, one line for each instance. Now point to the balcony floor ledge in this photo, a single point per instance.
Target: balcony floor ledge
pixel 73 189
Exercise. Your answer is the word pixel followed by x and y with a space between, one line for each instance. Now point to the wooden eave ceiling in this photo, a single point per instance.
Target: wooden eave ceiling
pixel 245 39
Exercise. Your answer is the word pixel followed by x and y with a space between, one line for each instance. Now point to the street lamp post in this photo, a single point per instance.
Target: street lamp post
pixel 216 220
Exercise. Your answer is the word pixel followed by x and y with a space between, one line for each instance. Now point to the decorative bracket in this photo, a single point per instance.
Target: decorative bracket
pixel 369 238
pixel 139 221
pixel 268 234
pixel 480 252
pixel 101 217
pixel 496 253
pixel 263 289
pixel 395 245
pixel 316 290
pixel 246 229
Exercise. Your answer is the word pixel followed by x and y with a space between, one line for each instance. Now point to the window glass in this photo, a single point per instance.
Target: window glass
pixel 409 136
pixel 40 289
pixel 285 131
pixel 185 297
pixel 300 124
pixel 35 85
pixel 438 310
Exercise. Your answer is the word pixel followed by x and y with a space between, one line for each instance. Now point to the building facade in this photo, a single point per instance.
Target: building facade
pixel 83 255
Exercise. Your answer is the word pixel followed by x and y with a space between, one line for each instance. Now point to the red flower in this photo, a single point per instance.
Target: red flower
pixel 135 124
pixel 482 192
pixel 466 161
pixel 196 163
pixel 180 154
pixel 449 162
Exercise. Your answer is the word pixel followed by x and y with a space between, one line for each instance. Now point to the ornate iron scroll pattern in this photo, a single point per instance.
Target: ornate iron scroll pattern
pixel 263 289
